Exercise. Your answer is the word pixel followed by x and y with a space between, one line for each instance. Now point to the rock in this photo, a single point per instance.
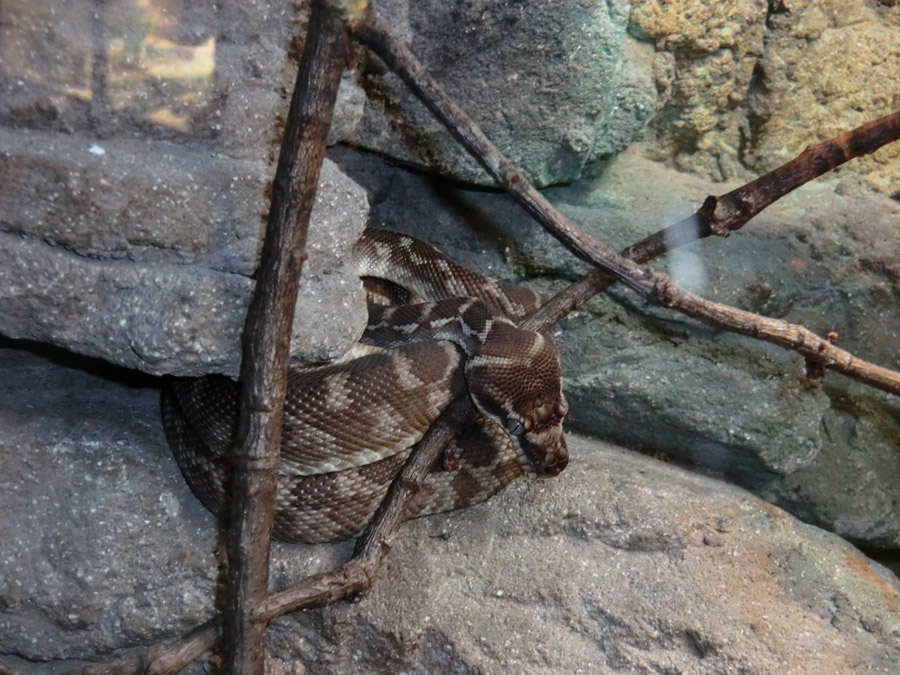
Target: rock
pixel 580 103
pixel 652 379
pixel 144 256
pixel 104 546
pixel 828 67
pixel 134 202
pixel 622 562
pixel 726 90
pixel 193 73
pixel 745 84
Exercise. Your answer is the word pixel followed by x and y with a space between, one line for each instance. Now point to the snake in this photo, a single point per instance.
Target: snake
pixel 437 332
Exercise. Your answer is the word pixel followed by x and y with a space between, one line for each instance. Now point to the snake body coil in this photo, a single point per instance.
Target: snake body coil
pixel 349 426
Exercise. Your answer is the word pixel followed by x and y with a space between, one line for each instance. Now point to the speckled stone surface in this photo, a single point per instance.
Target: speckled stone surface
pixel 551 84
pixel 159 277
pixel 133 203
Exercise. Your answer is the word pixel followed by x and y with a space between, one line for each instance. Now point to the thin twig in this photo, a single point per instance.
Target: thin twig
pixel 731 211
pixel 267 337
pixel 652 286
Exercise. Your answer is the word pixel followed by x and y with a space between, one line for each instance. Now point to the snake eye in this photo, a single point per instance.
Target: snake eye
pixel 514 427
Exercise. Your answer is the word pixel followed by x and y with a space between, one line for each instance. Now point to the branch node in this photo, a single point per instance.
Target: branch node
pixel 708 219
pixel 661 292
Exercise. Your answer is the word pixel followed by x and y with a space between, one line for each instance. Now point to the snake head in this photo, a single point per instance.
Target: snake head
pixel 515 379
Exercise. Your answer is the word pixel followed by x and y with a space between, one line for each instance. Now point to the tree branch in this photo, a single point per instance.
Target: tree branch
pixel 729 212
pixel 267 337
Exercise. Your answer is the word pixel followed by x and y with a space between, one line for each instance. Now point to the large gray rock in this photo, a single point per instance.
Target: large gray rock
pixel 134 192
pixel 655 380
pixel 547 82
pixel 144 256
pixel 147 567
pixel 621 563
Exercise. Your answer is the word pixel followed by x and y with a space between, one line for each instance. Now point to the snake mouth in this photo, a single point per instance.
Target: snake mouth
pixel 542 453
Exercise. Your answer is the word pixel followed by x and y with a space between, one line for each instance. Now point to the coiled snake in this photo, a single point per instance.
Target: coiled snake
pixel 349 426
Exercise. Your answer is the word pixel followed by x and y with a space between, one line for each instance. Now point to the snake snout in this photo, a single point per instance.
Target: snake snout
pixel 546 450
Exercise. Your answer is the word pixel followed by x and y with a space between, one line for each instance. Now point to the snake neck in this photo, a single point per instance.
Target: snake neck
pixel 513 376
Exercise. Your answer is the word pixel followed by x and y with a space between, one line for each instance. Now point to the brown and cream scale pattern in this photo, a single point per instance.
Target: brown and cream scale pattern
pixel 350 426
pixel 427 274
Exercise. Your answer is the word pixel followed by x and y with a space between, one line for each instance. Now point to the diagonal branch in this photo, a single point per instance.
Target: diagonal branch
pixel 726 213
pixel 652 286
pixel 729 212
pixel 351 579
